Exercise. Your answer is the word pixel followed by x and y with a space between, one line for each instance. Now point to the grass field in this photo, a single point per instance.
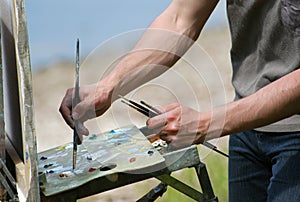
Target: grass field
pixel 217 169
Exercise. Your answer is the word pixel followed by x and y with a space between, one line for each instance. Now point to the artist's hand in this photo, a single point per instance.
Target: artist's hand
pixel 95 100
pixel 179 126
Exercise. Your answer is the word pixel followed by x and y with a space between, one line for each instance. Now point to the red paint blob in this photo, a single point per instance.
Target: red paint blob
pixel 92 170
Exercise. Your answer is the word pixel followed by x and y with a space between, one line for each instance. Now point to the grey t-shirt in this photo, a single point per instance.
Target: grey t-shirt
pixel 265 46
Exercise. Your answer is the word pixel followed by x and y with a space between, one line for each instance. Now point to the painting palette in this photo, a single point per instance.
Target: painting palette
pixel 124 149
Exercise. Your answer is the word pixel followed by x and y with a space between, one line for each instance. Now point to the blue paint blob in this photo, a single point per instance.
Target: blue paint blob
pixel 133 150
pixel 150 152
pixel 49 172
pixel 93 137
pixel 48 165
pixel 43 158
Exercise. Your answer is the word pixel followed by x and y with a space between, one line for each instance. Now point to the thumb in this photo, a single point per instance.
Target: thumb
pixel 80 110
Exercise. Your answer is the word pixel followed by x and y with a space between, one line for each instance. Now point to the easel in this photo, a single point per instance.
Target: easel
pixel 17 131
pixel 17 137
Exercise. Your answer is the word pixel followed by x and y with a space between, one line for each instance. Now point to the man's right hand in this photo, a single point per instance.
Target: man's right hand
pixel 95 99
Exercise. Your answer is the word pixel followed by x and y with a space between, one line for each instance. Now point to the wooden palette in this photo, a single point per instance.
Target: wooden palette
pixel 121 150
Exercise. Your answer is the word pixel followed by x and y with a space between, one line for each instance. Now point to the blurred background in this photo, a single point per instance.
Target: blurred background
pixel 55 25
pixel 107 30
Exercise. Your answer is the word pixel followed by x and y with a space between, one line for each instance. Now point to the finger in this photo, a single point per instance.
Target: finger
pixel 157 121
pixel 66 114
pixel 166 137
pixel 65 108
pixel 169 132
pixel 177 141
pixel 82 130
pixel 163 119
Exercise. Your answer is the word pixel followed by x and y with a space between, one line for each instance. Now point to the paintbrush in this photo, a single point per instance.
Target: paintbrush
pixel 76 100
pixel 150 107
pixel 151 111
pixel 146 110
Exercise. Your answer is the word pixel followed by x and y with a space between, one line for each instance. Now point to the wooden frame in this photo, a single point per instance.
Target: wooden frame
pixel 16 95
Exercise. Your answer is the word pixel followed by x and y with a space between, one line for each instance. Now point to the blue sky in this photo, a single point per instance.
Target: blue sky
pixel 54 25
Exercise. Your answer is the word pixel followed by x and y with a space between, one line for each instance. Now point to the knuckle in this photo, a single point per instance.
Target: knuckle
pixel 69 91
pixel 63 110
pixel 148 122
pixel 173 128
pixel 171 117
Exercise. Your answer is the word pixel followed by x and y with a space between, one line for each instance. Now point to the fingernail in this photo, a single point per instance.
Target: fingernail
pixel 75 115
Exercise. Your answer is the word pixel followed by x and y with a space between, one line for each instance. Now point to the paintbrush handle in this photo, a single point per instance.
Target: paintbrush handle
pixel 145 111
pixel 76 100
pixel 151 107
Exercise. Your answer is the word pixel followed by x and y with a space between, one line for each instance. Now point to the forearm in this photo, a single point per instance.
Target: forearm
pixel 166 40
pixel 272 103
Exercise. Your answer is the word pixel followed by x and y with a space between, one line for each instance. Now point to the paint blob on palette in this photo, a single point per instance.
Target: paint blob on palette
pixel 120 150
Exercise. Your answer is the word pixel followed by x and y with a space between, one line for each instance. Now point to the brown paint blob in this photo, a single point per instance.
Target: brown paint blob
pixel 131 160
pixel 64 175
